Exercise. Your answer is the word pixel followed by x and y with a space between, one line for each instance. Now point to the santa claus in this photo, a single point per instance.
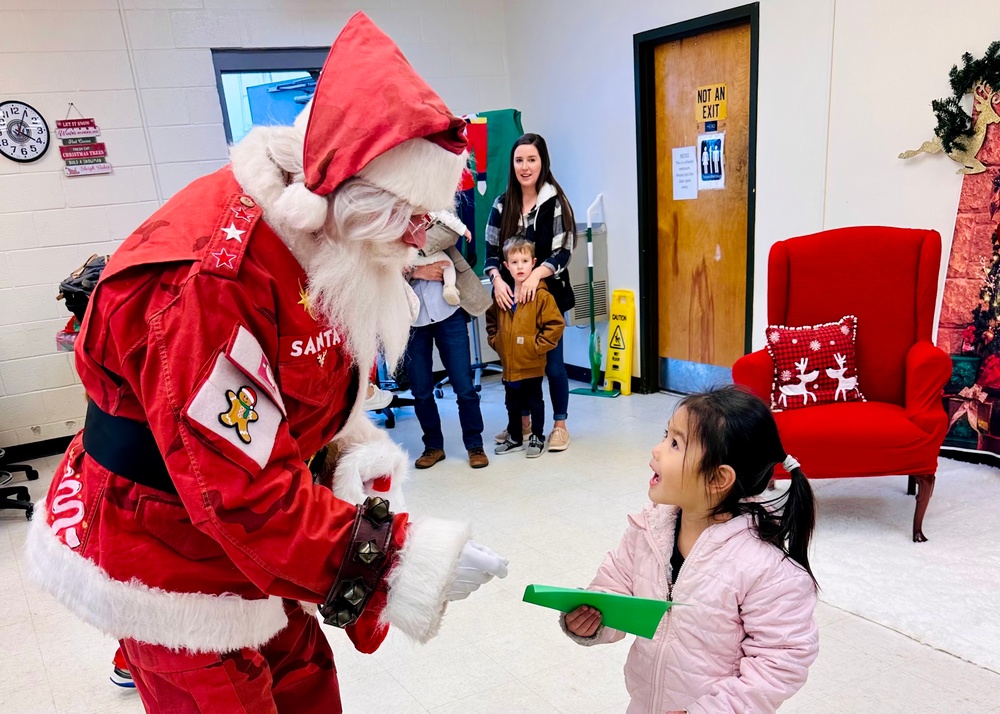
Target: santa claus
pixel 228 342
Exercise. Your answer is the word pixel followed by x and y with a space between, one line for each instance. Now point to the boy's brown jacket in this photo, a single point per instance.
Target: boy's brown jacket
pixel 522 338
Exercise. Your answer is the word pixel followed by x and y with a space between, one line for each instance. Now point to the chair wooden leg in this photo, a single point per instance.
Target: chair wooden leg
pixel 911 486
pixel 925 489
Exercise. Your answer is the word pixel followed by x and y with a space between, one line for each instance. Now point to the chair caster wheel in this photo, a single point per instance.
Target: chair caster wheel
pixel 32 475
pixel 29 512
pixel 439 393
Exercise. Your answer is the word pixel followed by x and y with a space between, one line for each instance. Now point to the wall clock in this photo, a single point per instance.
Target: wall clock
pixel 24 135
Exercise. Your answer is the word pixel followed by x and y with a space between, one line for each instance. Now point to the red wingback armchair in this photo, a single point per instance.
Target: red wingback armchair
pixel 888 278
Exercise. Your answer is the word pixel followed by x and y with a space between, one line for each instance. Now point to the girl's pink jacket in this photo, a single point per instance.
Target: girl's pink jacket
pixel 746 636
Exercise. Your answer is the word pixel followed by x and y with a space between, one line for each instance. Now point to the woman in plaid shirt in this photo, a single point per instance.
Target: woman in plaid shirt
pixel 535 207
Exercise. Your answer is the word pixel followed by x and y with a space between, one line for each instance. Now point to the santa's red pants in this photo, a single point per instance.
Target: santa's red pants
pixel 294 672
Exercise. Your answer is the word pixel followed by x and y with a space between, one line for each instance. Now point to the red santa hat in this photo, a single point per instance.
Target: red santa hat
pixel 373 116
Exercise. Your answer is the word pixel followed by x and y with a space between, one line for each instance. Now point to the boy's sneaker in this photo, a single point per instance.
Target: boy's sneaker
pixel 508 446
pixel 536 445
pixel 502 436
pixel 120 675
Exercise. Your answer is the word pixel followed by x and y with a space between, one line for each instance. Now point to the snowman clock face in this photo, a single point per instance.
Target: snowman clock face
pixel 24 135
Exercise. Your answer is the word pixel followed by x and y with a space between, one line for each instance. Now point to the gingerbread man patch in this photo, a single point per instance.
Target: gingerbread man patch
pixel 241 412
pixel 248 427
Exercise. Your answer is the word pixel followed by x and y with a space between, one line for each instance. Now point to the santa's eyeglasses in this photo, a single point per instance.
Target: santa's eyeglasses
pixel 421 221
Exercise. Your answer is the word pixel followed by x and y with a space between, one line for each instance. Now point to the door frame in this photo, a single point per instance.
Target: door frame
pixel 644 44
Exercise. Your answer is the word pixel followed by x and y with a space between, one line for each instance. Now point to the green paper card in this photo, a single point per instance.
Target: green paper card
pixel 636 615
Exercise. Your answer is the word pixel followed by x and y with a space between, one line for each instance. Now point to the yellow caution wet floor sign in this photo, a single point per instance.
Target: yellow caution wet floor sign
pixel 622 331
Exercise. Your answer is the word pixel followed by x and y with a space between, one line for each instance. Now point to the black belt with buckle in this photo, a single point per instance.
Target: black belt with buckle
pixel 125 447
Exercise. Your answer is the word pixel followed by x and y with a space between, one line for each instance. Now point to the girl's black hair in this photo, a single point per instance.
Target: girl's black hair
pixel 737 429
pixel 510 219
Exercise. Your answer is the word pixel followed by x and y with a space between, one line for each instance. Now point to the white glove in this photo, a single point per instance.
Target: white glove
pixel 477 564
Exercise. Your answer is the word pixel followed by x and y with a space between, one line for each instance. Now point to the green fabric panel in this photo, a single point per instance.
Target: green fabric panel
pixel 503 127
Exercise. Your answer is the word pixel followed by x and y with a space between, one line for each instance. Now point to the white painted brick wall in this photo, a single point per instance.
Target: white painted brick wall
pixel 188 143
pixel 174 177
pixel 124 218
pixel 45 266
pixel 149 29
pixel 36 374
pixel 30 339
pixel 31 304
pixel 67 227
pixel 175 68
pixel 161 133
pixel 31 191
pixel 127 184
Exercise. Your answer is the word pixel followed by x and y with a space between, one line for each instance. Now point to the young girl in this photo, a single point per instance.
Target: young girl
pixel 534 207
pixel 745 636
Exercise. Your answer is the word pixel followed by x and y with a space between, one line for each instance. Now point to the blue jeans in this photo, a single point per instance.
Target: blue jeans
pixel 452 338
pixel 555 370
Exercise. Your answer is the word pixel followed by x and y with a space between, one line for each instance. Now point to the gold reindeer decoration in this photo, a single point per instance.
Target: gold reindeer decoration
pixel 985 103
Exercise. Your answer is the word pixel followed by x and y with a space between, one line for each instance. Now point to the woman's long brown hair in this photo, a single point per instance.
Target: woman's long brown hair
pixel 510 220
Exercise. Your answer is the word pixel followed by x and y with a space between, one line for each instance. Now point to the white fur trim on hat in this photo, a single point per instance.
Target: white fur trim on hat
pixel 419 582
pixel 418 171
pixel 301 209
pixel 198 622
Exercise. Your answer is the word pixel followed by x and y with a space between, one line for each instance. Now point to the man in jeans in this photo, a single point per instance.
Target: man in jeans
pixel 446 326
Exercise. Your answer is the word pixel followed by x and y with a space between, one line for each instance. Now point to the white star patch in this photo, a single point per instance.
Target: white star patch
pixel 222 258
pixel 232 233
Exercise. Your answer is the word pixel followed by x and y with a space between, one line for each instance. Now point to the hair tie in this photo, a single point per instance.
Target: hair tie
pixel 790 463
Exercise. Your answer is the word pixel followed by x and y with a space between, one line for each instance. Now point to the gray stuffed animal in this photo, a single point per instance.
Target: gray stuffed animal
pixel 469 290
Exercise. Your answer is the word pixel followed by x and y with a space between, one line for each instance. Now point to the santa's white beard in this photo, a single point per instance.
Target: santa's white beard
pixel 358 288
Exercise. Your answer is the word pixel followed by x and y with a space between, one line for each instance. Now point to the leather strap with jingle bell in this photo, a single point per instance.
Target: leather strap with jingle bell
pixel 363 568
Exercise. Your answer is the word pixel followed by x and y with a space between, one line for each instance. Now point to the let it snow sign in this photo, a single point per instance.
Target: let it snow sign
pixel 710 104
pixel 83 154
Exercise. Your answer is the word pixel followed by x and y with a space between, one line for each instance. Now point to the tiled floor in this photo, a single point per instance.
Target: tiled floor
pixel 554 517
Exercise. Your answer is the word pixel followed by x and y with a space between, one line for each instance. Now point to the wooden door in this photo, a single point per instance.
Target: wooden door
pixel 702 243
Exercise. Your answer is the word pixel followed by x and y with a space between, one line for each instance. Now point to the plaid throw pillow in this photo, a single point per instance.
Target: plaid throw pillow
pixel 813 364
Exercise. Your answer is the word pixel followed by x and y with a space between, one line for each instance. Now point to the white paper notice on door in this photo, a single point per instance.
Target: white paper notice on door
pixel 711 161
pixel 685 173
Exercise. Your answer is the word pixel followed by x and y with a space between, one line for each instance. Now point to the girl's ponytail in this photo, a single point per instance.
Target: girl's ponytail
pixel 798 517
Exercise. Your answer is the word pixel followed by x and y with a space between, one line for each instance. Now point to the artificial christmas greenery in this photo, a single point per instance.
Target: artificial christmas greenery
pixel 954 124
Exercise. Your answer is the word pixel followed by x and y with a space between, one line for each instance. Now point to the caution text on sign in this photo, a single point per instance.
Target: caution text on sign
pixel 621 331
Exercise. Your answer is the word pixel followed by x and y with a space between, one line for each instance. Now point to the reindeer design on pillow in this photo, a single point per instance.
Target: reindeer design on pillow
pixel 844 384
pixel 802 388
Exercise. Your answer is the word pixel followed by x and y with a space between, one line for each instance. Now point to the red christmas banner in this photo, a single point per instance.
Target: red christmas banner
pixel 83 123
pixel 83 151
